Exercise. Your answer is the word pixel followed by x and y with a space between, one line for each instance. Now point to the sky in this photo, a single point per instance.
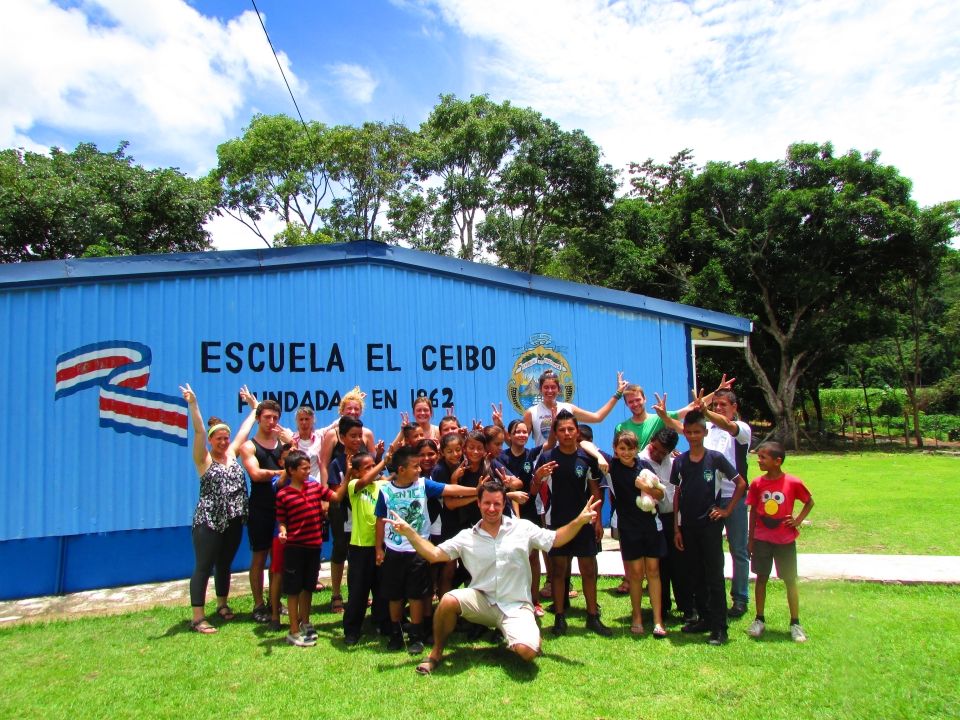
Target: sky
pixel 730 79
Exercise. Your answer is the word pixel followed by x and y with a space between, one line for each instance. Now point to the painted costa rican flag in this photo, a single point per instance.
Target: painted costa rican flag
pixel 121 369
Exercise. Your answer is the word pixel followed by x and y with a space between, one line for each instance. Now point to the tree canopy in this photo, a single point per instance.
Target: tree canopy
pixel 89 203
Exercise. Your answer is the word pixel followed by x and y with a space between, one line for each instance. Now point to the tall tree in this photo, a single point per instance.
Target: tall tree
pixel 92 203
pixel 277 166
pixel 799 245
pixel 465 143
pixel 369 164
pixel 912 294
pixel 554 187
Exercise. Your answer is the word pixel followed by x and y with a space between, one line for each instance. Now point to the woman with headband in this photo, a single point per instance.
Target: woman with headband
pixel 222 507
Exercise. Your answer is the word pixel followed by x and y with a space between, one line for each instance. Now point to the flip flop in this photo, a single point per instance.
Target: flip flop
pixel 637 629
pixel 225 613
pixel 658 632
pixel 427 666
pixel 202 627
pixel 623 588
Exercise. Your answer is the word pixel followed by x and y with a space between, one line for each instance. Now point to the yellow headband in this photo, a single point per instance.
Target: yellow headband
pixel 215 428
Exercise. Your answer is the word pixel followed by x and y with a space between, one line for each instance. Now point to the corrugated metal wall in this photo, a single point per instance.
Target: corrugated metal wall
pixel 74 477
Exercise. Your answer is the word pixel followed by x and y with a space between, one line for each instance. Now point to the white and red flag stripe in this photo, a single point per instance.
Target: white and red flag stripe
pixel 121 369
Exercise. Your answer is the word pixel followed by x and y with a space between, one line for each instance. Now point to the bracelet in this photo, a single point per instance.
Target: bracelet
pixel 618 395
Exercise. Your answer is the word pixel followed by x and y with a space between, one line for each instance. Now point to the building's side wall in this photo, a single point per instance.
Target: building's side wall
pixel 125 502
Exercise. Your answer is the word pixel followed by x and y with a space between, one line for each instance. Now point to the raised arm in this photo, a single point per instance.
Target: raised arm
pixel 246 426
pixel 660 408
pixel 601 414
pixel 201 457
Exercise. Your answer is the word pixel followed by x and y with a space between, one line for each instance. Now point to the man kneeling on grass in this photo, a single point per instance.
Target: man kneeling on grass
pixel 495 552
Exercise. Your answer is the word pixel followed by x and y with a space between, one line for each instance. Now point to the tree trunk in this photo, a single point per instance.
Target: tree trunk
pixel 866 400
pixel 779 400
pixel 815 395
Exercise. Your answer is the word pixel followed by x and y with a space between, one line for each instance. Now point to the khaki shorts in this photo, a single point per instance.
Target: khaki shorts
pixel 519 625
pixel 765 554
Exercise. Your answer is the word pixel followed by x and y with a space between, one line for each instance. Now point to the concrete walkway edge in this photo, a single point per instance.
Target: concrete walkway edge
pixel 900 569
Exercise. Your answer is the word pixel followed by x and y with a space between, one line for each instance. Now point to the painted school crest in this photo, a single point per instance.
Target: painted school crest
pixel 538 355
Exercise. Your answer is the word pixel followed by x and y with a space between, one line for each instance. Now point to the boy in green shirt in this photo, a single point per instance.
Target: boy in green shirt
pixel 363 489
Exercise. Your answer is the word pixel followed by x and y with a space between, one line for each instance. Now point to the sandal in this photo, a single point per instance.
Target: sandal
pixel 427 666
pixel 225 613
pixel 638 629
pixel 623 588
pixel 336 604
pixel 659 632
pixel 203 627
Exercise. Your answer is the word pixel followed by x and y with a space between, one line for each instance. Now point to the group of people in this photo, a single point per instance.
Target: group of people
pixel 444 527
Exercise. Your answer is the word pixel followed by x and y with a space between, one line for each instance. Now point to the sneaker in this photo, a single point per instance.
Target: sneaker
pixel 559 625
pixel 797 633
pixel 697 626
pixel 395 642
pixel 351 640
pixel 299 640
pixel 718 637
pixel 538 610
pixel 690 617
pixel 274 626
pixel 307 630
pixel 756 628
pixel 594 623
pixel 737 610
pixel 415 647
pixel 261 614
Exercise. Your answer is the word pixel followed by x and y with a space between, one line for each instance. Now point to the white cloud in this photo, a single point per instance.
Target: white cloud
pixel 354 81
pixel 155 71
pixel 229 233
pixel 732 79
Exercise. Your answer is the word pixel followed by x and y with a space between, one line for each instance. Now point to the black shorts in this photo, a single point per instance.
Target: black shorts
pixel 260 526
pixel 584 544
pixel 336 517
pixel 404 576
pixel 301 568
pixel 642 544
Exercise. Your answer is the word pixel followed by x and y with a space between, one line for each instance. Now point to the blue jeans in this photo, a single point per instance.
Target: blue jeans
pixel 737 530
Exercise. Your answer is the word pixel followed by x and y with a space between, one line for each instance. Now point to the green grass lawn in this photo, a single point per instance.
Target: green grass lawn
pixel 885 503
pixel 874 652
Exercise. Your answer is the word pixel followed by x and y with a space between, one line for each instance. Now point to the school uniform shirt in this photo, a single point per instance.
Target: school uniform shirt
pixel 521 466
pixel 410 503
pixel 302 514
pixel 699 484
pixel 623 487
pixel 336 474
pixel 772 501
pixel 568 484
pixel 733 447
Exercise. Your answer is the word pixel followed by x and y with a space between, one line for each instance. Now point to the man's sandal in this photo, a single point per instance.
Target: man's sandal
pixel 336 604
pixel 225 613
pixel 203 627
pixel 427 666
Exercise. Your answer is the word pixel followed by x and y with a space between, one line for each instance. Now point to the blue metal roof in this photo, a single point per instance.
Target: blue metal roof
pixel 59 272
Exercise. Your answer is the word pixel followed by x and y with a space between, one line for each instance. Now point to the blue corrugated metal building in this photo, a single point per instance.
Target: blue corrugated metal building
pixel 99 486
